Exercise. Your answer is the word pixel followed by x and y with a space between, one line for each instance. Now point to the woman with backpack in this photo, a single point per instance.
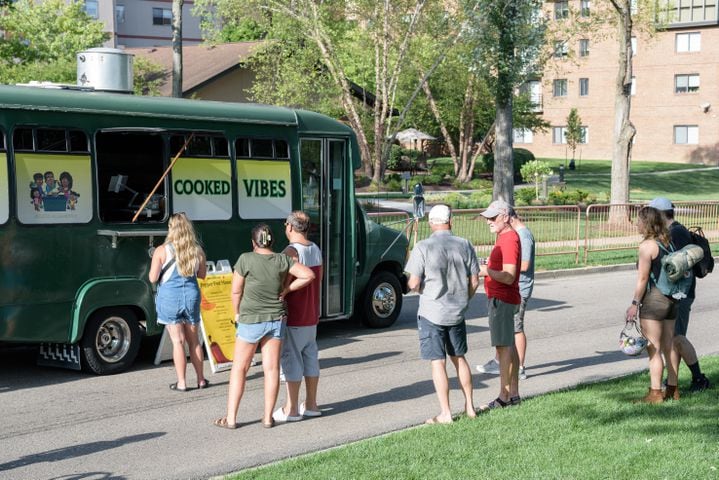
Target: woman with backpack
pixel 656 311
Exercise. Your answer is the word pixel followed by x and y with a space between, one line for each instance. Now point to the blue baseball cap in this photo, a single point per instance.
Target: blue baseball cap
pixel 662 203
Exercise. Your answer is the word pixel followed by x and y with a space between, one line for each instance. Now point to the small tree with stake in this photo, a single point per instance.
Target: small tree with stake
pixel 534 171
pixel 574 133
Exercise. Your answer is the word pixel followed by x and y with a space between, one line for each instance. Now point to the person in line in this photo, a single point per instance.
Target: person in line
pixel 176 266
pixel 258 292
pixel 444 270
pixel 501 283
pixel 656 311
pixel 526 285
pixel 299 349
pixel 680 238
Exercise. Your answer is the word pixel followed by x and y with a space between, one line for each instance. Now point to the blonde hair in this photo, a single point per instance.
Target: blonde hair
pixel 181 234
pixel 652 225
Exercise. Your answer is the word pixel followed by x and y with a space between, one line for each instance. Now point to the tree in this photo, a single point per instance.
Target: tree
pixel 339 34
pixel 508 38
pixel 534 171
pixel 41 40
pixel 177 48
pixel 574 134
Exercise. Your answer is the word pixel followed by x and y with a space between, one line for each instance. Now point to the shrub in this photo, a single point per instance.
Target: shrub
pixel 534 171
pixel 476 184
pixel 521 156
pixel 523 196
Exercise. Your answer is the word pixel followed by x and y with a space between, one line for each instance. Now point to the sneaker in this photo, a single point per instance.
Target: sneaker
pixel 309 413
pixel 522 374
pixel 699 384
pixel 491 367
pixel 281 416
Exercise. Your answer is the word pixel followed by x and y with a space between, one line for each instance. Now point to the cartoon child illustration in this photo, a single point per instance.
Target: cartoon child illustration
pixel 37 183
pixel 51 187
pixel 66 190
pixel 36 195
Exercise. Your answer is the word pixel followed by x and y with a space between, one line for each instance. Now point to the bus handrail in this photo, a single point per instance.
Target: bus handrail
pixel 115 234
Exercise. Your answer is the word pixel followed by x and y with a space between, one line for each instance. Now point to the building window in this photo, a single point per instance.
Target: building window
pixel 688 42
pixel 634 45
pixel 686 134
pixel 161 16
pixel 686 83
pixel 583 87
pixel 91 8
pixel 585 7
pixel 560 49
pixel 561 9
pixel 560 88
pixel 584 135
pixel 522 135
pixel 119 13
pixel 688 11
pixel 633 88
pixel 584 47
pixel 559 135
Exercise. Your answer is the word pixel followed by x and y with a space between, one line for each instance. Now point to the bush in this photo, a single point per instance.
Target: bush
pixel 523 196
pixel 476 184
pixel 521 156
pixel 401 159
pixel 559 196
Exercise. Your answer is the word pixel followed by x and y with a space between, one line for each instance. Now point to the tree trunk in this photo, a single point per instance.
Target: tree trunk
pixel 442 125
pixel 177 48
pixel 624 130
pixel 503 155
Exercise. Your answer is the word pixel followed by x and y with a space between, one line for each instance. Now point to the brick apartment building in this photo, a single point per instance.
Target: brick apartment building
pixel 143 23
pixel 675 102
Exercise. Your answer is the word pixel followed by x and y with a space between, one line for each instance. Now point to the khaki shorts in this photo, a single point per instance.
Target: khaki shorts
pixel 657 306
pixel 501 322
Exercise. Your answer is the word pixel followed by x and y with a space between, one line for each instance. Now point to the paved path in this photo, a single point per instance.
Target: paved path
pixel 60 424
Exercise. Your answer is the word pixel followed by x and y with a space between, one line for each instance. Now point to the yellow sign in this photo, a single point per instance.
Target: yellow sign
pixel 264 188
pixel 4 193
pixel 217 319
pixel 201 188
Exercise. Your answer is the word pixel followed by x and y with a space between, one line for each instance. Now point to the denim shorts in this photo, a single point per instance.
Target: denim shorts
pixel 254 332
pixel 438 341
pixel 177 305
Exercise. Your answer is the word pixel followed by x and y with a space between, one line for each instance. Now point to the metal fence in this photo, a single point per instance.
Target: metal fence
pixel 564 230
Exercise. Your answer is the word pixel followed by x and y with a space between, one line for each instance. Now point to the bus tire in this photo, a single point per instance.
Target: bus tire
pixel 111 341
pixel 382 301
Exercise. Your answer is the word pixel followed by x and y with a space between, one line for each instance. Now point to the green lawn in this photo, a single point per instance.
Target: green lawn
pixel 591 432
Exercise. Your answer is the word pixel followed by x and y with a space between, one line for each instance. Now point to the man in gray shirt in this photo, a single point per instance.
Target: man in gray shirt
pixel 445 272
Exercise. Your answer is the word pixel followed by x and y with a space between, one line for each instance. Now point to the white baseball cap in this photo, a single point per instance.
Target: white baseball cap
pixel 440 214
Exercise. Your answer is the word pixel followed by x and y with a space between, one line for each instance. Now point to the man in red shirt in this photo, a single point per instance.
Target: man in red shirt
pixel 501 283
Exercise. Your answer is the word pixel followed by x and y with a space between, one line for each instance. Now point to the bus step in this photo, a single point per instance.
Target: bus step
pixel 59 355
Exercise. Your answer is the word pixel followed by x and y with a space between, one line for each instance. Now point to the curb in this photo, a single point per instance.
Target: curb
pixel 571 272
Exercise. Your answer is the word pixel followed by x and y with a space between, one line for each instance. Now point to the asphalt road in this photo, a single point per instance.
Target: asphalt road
pixel 60 424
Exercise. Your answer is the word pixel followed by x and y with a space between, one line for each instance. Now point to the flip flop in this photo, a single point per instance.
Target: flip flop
pixel 495 404
pixel 205 384
pixel 268 425
pixel 175 388
pixel 222 423
pixel 436 421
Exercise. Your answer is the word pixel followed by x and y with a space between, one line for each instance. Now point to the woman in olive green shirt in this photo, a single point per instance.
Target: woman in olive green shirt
pixel 258 289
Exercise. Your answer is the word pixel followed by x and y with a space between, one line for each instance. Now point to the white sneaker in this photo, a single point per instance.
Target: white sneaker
pixel 281 416
pixel 309 413
pixel 522 374
pixel 491 367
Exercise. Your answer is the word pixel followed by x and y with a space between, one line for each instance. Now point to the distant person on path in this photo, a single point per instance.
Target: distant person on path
pixel 176 265
pixel 526 285
pixel 656 311
pixel 501 282
pixel 299 349
pixel 685 350
pixel 444 270
pixel 258 292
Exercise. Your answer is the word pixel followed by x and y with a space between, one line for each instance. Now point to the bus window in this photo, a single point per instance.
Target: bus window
pixel 220 147
pixel 201 182
pixel 78 141
pixel 242 147
pixel 59 184
pixel 311 159
pixel 264 188
pixel 4 187
pixel 129 164
pixel 282 149
pixel 261 148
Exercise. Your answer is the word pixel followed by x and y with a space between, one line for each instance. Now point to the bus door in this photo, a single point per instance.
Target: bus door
pixel 324 196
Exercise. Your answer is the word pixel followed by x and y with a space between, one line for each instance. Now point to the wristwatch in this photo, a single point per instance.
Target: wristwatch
pixel 636 302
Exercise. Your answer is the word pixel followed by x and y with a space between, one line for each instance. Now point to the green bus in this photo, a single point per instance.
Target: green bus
pixel 77 166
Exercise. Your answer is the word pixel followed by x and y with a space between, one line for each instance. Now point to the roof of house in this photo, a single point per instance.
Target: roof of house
pixel 200 63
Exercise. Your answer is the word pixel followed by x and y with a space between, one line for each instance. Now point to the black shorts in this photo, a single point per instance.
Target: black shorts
pixel 438 341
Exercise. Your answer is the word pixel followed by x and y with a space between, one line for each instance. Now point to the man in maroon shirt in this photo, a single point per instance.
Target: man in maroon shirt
pixel 501 283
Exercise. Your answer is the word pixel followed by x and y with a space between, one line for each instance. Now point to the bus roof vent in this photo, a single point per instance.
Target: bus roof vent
pixel 105 69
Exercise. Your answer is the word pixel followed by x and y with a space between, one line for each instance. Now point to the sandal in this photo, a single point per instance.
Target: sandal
pixel 205 383
pixel 175 388
pixel 268 425
pixel 494 404
pixel 222 423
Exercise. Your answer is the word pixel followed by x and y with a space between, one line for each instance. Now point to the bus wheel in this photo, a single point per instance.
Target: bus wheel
pixel 111 341
pixel 382 301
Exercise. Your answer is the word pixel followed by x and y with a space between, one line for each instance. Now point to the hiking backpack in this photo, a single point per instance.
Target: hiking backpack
pixel 702 268
pixel 676 289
